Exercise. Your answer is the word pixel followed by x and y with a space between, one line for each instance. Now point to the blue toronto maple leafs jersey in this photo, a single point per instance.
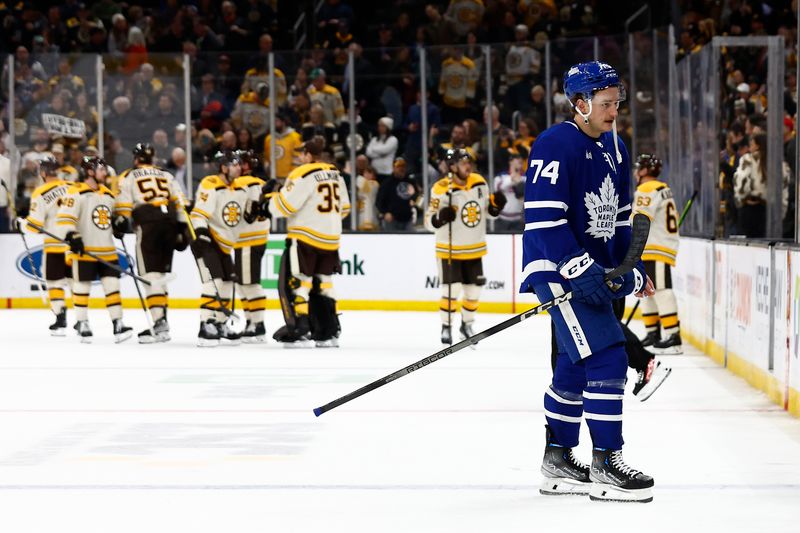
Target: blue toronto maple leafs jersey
pixel 577 197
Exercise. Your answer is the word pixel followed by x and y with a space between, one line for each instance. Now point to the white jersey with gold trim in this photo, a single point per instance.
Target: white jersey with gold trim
pixel 471 202
pixel 654 198
pixel 147 184
pixel 219 206
pixel 257 233
pixel 45 202
pixel 314 200
pixel 88 212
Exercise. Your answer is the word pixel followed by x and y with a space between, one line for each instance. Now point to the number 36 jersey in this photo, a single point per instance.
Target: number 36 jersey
pixel 147 184
pixel 314 201
pixel 654 198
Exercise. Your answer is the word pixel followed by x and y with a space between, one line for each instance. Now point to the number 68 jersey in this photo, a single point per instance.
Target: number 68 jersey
pixel 314 201
pixel 654 198
pixel 88 212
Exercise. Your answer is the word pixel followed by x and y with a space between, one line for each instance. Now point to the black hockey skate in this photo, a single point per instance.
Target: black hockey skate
pixel 121 331
pixel 59 327
pixel 672 345
pixel 615 481
pixel 227 335
pixel 563 474
pixel 84 331
pixel 466 332
pixel 254 333
pixel 209 334
pixel 651 338
pixel 650 379
pixel 447 335
pixel 297 337
pixel 159 333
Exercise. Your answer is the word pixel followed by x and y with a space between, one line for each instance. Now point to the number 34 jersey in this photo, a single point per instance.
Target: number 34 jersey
pixel 471 204
pixel 654 198
pixel 314 201
pixel 220 206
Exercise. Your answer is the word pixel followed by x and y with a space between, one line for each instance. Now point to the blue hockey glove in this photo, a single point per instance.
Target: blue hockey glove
pixel 587 279
pixel 632 282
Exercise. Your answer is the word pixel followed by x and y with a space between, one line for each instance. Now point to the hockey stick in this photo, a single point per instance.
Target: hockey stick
pixel 680 222
pixel 40 288
pixel 450 311
pixel 640 230
pixel 138 289
pixel 89 254
pixel 233 317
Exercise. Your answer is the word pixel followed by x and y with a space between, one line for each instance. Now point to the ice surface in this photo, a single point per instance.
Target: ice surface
pixel 173 438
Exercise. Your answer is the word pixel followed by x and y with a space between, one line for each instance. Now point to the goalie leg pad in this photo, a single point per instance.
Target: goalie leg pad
pixel 323 317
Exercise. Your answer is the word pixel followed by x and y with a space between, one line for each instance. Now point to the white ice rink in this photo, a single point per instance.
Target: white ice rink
pixel 172 438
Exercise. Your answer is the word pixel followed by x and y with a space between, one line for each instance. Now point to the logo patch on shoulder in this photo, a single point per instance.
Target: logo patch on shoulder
pixel 602 210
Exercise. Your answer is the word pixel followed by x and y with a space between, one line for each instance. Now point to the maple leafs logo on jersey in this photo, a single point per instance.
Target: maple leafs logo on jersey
pixel 602 210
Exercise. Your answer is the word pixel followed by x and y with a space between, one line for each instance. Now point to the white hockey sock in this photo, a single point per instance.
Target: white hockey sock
pixel 650 313
pixel 668 311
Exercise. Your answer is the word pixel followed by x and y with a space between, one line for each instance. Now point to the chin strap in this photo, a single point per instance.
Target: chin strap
pixel 616 141
pixel 584 116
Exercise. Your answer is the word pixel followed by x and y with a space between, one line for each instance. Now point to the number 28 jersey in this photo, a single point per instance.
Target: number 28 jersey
pixel 314 201
pixel 654 199
pixel 147 185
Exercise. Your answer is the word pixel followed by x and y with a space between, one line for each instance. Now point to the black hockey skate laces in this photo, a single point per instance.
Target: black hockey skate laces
pixel 619 463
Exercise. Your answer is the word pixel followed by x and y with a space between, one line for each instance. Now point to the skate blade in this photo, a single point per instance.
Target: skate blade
pixel 660 374
pixel 230 342
pixel 298 344
pixel 564 487
pixel 326 344
pixel 148 339
pixel 672 350
pixel 86 340
pixel 601 492
pixel 62 332
pixel 163 337
pixel 257 339
pixel 207 343
pixel 122 337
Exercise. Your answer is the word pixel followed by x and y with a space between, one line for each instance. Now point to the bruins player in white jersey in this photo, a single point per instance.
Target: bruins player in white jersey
pixel 249 248
pixel 45 202
pixel 150 197
pixel 654 198
pixel 217 219
pixel 314 201
pixel 84 219
pixel 457 214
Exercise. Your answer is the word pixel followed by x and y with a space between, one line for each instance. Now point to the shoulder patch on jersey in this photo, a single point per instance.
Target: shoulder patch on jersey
pixel 475 180
pixel 651 186
pixel 212 182
pixel 441 186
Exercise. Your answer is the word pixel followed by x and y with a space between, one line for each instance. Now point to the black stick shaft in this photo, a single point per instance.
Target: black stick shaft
pixel 90 254
pixel 136 283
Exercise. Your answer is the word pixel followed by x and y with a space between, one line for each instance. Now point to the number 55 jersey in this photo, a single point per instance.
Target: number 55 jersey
pixel 314 201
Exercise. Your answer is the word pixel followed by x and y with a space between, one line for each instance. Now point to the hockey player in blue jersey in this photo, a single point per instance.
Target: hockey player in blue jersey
pixel 577 227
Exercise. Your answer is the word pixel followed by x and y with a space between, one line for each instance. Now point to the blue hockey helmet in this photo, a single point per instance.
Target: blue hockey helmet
pixel 587 78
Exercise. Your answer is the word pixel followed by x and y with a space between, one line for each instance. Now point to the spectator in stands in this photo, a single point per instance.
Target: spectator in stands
pixel 751 188
pixel 179 136
pixel 326 96
pixel 331 12
pixel 82 110
pixel 135 51
pixel 6 196
pixel 395 199
pixel 206 39
pixel 162 148
pixel 472 137
pixel 413 126
pixel 465 15
pixel 457 86
pixel 177 165
pixel 524 138
pixel 458 139
pixel 512 185
pixel 65 170
pixel 166 116
pixel 367 186
pixel 228 141
pixel 118 36
pixel 287 144
pixel 318 125
pixel 257 80
pixel 65 79
pixel 523 66
pixel 382 149
pixel 502 139
pixel 537 110
pixel 233 29
pixel 438 30
pixel 251 112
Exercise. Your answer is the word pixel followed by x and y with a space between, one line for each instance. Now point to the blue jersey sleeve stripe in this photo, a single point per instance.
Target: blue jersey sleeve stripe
pixel 541 204
pixel 544 224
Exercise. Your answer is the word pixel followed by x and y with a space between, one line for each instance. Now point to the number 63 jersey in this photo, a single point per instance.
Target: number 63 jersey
pixel 314 201
pixel 654 198
pixel 577 197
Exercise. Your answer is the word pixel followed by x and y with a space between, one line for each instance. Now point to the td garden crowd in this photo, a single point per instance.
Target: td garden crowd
pixel 227 228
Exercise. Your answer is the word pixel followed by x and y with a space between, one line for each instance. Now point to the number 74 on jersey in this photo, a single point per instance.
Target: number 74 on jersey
pixel 550 171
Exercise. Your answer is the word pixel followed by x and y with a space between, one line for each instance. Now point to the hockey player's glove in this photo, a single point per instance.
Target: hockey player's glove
pixel 75 242
pixel 183 236
pixel 444 216
pixel 120 226
pixel 202 242
pixel 497 202
pixel 587 279
pixel 632 282
pixel 519 189
pixel 270 187
pixel 256 211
